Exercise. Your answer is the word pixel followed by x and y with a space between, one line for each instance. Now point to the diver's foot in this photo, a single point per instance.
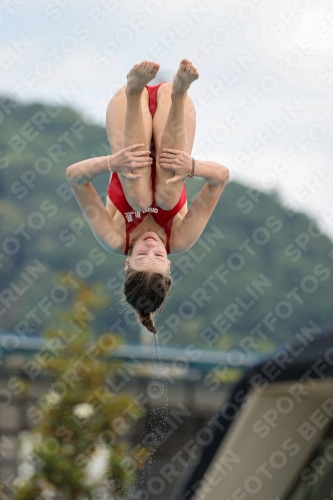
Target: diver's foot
pixel 185 75
pixel 140 75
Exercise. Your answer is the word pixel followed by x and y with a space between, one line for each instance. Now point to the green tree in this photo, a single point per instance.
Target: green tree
pixel 254 235
pixel 83 419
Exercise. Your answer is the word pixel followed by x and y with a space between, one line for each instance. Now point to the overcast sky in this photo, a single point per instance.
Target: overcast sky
pixel 263 99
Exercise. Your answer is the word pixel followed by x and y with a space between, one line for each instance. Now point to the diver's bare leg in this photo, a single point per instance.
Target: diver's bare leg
pixel 174 127
pixel 129 122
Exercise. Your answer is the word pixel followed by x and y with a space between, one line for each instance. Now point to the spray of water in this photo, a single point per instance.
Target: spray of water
pixel 158 416
pixel 158 391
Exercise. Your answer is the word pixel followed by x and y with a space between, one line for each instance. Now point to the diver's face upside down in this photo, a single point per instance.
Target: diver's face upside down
pixel 149 254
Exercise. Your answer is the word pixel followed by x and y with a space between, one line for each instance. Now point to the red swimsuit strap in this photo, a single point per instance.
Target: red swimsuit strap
pixel 117 196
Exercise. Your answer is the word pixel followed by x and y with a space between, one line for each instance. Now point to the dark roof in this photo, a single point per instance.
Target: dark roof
pixel 296 358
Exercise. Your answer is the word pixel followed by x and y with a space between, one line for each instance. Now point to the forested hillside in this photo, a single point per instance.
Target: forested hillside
pixel 259 271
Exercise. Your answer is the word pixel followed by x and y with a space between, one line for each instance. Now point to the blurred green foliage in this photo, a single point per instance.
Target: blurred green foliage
pixel 272 244
pixel 83 418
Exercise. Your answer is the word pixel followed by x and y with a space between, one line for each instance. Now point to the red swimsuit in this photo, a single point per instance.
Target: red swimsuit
pixel 132 217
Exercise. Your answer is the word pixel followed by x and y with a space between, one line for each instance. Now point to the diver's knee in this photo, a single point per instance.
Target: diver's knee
pixel 139 202
pixel 165 200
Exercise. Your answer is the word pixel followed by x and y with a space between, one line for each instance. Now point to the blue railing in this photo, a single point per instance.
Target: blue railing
pixel 191 356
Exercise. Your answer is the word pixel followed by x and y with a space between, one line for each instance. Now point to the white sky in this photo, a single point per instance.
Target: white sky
pixel 264 96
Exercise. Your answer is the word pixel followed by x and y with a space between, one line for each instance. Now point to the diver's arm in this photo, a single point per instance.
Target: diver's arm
pixel 83 172
pixel 122 162
pixel 103 228
pixel 181 164
pixel 195 220
pixel 101 224
pixel 214 173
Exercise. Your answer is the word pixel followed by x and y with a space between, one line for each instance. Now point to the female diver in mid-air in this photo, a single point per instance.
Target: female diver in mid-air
pixel 151 132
